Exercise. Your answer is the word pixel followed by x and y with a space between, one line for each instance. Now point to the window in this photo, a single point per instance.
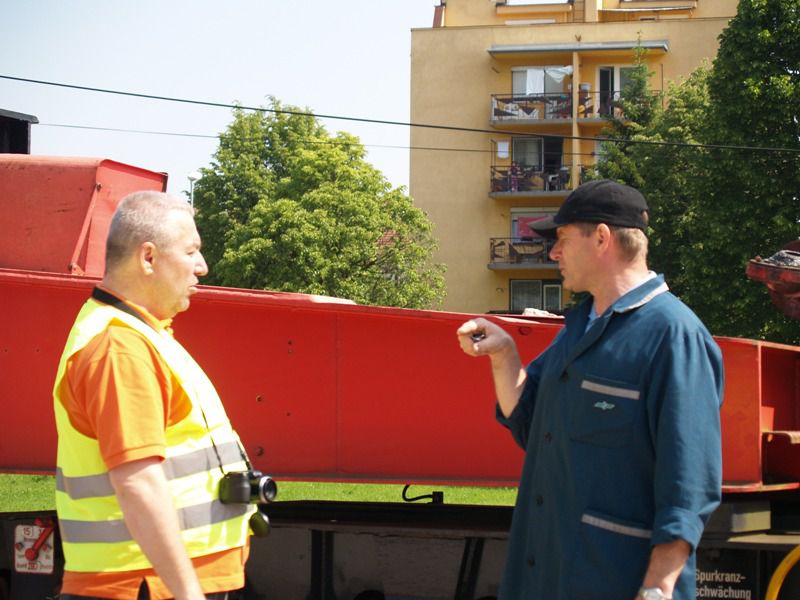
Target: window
pixel 525 294
pixel 527 152
pixel 625 76
pixel 615 78
pixel 552 297
pixel 527 245
pixel 530 81
pixel 535 293
pixel 521 218
pixel 612 81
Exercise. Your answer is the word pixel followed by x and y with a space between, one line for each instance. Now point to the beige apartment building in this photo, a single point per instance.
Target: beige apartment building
pixel 522 87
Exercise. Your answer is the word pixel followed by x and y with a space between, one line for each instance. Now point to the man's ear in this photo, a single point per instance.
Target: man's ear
pixel 147 254
pixel 603 235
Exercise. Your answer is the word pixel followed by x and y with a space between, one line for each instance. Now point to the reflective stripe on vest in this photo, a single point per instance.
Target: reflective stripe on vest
pixel 190 517
pixel 94 535
pixel 93 486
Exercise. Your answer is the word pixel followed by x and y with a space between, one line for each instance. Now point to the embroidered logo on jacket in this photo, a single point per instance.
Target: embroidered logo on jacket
pixel 604 405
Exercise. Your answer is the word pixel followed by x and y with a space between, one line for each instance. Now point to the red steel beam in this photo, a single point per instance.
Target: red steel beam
pixel 323 389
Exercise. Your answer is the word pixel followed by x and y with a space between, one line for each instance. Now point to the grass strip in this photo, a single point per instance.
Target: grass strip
pixel 37 492
pixel 27 492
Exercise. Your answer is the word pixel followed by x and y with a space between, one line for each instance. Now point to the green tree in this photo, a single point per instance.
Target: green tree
pixel 669 173
pixel 633 113
pixel 286 206
pixel 713 209
pixel 664 173
pixel 747 201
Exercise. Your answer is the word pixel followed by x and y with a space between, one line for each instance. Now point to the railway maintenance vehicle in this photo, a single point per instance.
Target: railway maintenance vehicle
pixel 323 389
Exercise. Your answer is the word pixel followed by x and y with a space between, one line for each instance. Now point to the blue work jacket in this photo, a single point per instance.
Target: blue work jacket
pixel 620 425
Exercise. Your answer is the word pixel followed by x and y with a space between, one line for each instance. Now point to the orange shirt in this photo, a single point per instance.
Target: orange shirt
pixel 119 391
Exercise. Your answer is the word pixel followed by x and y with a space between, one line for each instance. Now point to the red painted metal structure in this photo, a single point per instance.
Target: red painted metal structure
pixel 319 388
pixel 54 211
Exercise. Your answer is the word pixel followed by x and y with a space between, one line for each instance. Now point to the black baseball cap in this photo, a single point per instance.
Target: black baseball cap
pixel 599 201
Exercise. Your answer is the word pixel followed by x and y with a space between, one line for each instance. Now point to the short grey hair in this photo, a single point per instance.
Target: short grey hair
pixel 141 217
pixel 632 241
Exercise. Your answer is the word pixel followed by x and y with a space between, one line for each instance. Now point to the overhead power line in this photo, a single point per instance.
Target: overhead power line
pixel 332 142
pixel 395 123
pixel 122 130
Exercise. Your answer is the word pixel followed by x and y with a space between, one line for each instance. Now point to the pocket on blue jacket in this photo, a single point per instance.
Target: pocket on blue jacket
pixel 604 411
pixel 610 558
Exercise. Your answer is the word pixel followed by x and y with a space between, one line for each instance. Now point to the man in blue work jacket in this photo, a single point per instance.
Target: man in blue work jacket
pixel 619 419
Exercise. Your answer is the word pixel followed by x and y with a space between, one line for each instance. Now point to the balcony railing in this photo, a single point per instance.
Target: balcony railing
pixel 595 105
pixel 521 179
pixel 591 105
pixel 534 107
pixel 524 252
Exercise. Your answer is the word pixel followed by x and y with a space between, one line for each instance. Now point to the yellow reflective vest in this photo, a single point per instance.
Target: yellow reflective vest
pixel 199 447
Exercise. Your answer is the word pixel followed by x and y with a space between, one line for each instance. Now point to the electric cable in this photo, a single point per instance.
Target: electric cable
pixel 389 122
pixel 436 497
pixel 332 142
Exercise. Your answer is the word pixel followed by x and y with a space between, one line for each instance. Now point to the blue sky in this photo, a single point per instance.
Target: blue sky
pixel 348 58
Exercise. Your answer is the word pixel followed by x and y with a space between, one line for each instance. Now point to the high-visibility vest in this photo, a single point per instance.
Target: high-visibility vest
pixel 199 447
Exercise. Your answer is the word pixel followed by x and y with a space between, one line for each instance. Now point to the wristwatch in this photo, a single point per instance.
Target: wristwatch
pixel 653 593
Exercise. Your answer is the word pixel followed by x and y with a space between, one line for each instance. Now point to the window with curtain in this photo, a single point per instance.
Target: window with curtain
pixel 525 293
pixel 521 219
pixel 552 297
pixel 532 81
pixel 527 152
pixel 535 293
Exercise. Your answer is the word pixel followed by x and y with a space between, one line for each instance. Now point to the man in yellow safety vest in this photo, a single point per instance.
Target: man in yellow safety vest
pixel 143 439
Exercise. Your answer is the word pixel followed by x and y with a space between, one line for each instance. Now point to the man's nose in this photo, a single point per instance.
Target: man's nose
pixel 555 252
pixel 200 267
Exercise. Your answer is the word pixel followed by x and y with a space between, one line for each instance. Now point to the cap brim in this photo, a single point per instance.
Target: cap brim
pixel 545 227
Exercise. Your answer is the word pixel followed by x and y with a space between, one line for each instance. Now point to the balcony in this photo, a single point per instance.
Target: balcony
pixel 553 108
pixel 596 105
pixel 520 253
pixel 534 108
pixel 521 180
